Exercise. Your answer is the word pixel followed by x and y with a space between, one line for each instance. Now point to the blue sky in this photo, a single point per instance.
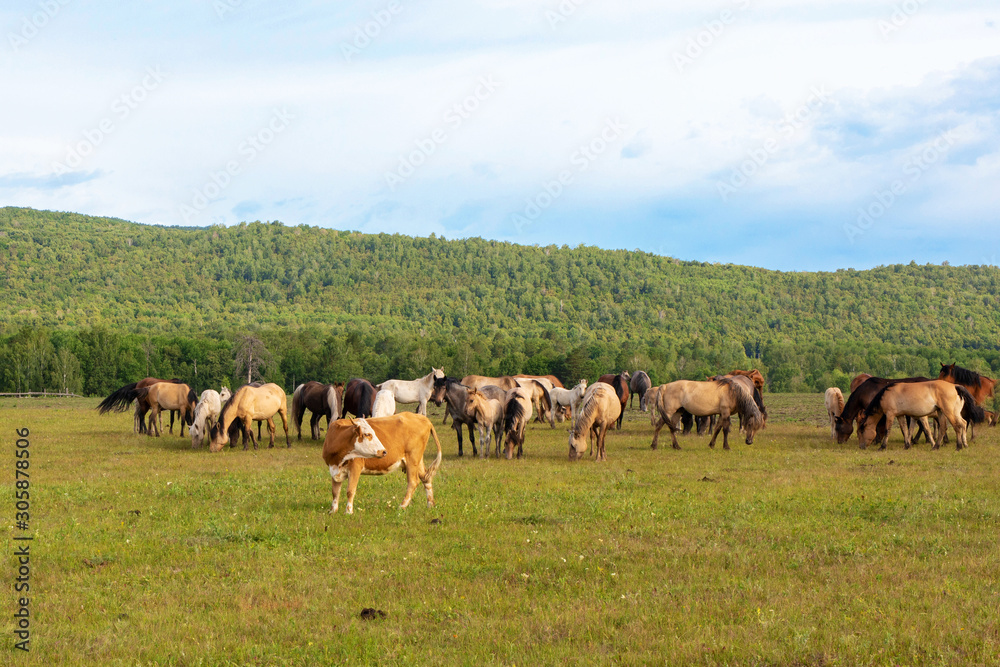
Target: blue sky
pixel 788 134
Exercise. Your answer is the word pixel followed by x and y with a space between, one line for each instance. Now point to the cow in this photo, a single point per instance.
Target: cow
pixel 378 446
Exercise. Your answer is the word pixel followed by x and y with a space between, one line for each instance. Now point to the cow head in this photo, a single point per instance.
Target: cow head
pixel 366 443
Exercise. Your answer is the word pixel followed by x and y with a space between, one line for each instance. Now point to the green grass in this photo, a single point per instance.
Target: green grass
pixel 792 551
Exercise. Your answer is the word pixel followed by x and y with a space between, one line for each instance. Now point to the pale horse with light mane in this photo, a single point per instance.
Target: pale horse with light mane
pixel 206 413
pixel 385 404
pixel 834 407
pixel 572 398
pixel 414 391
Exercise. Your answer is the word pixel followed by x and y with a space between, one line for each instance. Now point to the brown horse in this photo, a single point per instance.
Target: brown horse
pixel 359 398
pixel 169 396
pixel 860 398
pixel 858 379
pixel 251 403
pixel 121 398
pixel 920 400
pixel 754 375
pixel 322 400
pixel 516 415
pixel 725 397
pixel 601 408
pixel 488 414
pixel 620 384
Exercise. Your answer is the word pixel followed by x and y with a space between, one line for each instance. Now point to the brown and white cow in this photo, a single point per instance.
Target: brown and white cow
pixel 397 441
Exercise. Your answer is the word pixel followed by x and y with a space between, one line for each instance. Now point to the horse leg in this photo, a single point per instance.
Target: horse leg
pixel 457 427
pixel 354 476
pixel 270 432
pixel 715 432
pixel 604 432
pixel 422 408
pixel 284 422
pixel 904 426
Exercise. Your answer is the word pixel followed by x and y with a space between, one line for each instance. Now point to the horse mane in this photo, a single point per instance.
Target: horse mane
pixel 964 376
pixel 876 401
pixel 971 411
pixel 222 413
pixel 332 402
pixel 513 412
pixel 753 419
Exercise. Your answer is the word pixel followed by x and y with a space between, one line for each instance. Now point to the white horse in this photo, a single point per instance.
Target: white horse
pixel 206 413
pixel 414 391
pixel 385 404
pixel 569 397
pixel 834 406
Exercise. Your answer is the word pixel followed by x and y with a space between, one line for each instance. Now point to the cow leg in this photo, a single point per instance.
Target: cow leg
pixel 337 480
pixel 354 476
pixel 413 475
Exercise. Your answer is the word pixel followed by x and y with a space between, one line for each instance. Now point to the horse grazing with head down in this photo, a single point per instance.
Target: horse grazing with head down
pixel 250 404
pixel 921 400
pixel 834 399
pixel 322 400
pixel 600 409
pixel 620 384
pixel 359 398
pixel 168 396
pixel 206 413
pixel 725 397
pixel 859 400
pixel 517 414
pixel 414 391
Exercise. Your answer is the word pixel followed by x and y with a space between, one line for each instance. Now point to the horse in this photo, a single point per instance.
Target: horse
pixel 385 404
pixel 516 415
pixel 754 375
pixel 251 403
pixel 551 379
pixel 859 400
pixel 206 413
pixel 600 409
pixel 858 379
pixel 322 400
pixel 620 384
pixel 414 391
pixel 170 396
pixel 639 385
pixel 455 394
pixel 980 386
pixel 723 397
pixel 540 398
pixel 359 398
pixel 834 406
pixel 505 382
pixel 488 415
pixel 569 398
pixel 920 400
pixel 121 398
pixel 745 378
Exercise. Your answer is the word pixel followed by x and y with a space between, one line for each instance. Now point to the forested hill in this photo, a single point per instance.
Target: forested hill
pixel 480 304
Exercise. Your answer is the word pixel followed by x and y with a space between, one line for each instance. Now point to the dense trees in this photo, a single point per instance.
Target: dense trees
pixel 93 303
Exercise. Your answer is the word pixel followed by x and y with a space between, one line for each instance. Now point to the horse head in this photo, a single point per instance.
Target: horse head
pixel 439 391
pixel 844 428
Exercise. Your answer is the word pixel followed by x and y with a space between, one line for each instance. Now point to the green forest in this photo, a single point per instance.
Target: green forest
pixel 90 304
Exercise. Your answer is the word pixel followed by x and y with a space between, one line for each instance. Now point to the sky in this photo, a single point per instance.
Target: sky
pixel 786 134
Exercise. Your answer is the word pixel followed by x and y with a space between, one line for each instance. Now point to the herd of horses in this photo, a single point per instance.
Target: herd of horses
pixel 957 397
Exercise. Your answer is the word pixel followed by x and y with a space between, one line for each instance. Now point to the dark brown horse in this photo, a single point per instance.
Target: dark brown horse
pixel 121 398
pixel 322 400
pixel 359 398
pixel 620 384
pixel 858 379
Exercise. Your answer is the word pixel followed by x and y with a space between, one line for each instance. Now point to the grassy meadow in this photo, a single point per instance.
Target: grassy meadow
pixel 792 551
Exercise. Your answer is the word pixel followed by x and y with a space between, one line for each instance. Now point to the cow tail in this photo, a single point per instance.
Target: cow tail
pixel 432 470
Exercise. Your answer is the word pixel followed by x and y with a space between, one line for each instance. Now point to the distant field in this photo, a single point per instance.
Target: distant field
pixel 792 551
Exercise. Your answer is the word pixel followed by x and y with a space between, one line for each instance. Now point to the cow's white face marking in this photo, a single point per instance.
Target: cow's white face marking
pixel 367 445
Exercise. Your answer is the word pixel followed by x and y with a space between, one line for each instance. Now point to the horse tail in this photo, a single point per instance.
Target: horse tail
pixel 513 413
pixel 433 468
pixel 758 399
pixel 119 400
pixel 747 409
pixel 331 401
pixel 546 403
pixel 298 409
pixel 367 400
pixel 971 411
pixel 619 385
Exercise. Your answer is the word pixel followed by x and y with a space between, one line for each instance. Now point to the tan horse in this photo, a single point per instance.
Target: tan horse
pixel 516 415
pixel 651 395
pixel 505 382
pixel 488 413
pixel 921 400
pixel 601 408
pixel 724 397
pixel 834 407
pixel 541 398
pixel 552 380
pixel 754 375
pixel 168 396
pixel 248 404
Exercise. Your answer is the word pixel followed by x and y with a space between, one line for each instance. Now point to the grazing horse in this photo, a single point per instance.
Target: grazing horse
pixel 505 382
pixel 620 384
pixel 858 379
pixel 455 394
pixel 723 397
pixel 569 398
pixel 920 400
pixel 834 406
pixel 414 391
pixel 859 400
pixel 206 413
pixel 488 414
pixel 359 398
pixel 980 386
pixel 121 398
pixel 516 415
pixel 540 398
pixel 322 400
pixel 385 403
pixel 248 404
pixel 601 408
pixel 639 385
pixel 169 396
